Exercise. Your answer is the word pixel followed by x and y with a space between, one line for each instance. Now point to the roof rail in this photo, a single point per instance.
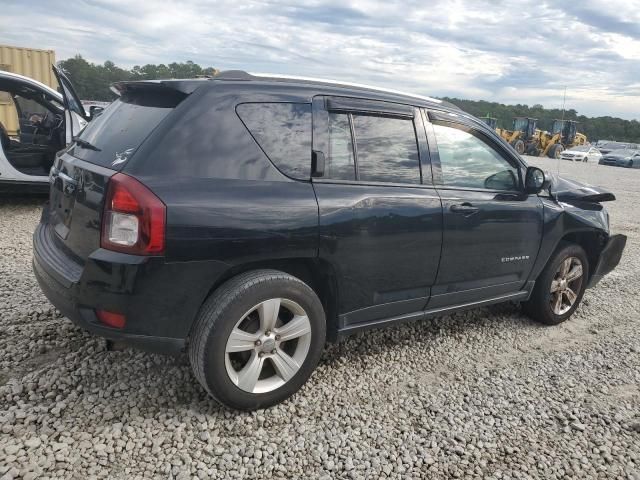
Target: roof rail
pixel 242 75
pixel 276 76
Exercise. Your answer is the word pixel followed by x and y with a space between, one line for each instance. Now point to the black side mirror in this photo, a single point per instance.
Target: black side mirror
pixel 535 180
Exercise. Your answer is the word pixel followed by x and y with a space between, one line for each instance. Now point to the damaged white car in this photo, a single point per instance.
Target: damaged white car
pixel 47 122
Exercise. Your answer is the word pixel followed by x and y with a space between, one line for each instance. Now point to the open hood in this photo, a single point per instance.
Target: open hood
pixel 566 190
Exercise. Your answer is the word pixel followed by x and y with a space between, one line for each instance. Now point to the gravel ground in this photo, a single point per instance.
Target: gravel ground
pixel 485 393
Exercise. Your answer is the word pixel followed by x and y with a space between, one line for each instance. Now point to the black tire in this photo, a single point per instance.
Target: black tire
pixel 630 165
pixel 518 146
pixel 585 159
pixel 555 151
pixel 538 307
pixel 533 151
pixel 219 315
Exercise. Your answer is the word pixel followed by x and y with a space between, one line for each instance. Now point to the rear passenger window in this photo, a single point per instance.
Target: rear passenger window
pixel 387 149
pixel 283 131
pixel 341 164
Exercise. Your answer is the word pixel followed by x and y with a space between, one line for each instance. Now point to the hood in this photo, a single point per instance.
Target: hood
pixel 566 190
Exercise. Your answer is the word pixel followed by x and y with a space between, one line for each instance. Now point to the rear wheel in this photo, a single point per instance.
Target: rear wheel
pixel 257 339
pixel 585 159
pixel 556 150
pixel 560 287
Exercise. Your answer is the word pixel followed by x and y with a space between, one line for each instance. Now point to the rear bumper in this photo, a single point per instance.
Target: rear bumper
pixel 159 299
pixel 65 300
pixel 609 258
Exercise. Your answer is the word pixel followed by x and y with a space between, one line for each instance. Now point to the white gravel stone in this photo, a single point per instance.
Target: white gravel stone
pixel 480 394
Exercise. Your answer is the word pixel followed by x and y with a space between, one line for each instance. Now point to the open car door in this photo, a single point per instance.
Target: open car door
pixel 75 118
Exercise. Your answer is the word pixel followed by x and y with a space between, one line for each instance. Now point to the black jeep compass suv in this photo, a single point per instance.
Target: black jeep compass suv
pixel 247 219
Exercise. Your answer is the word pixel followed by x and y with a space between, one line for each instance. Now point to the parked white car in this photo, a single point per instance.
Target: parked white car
pixel 583 153
pixel 48 121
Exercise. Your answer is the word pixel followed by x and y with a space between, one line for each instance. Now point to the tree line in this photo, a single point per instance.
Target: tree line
pixel 595 128
pixel 92 82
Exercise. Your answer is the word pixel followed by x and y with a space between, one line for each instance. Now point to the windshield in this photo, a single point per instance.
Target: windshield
pixel 580 149
pixel 520 124
pixel 112 138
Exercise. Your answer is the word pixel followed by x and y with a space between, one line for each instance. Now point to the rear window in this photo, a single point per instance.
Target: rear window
pixel 123 126
pixel 283 131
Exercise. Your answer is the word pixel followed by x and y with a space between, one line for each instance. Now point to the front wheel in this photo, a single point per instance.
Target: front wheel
pixel 257 339
pixel 518 146
pixel 560 287
pixel 555 151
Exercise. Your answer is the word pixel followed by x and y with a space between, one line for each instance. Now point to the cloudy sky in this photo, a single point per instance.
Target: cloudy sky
pixel 517 51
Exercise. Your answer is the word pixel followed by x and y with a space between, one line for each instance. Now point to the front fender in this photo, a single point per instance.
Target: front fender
pixel 565 220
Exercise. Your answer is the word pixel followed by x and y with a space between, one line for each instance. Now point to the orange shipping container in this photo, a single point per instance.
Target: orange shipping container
pixel 29 62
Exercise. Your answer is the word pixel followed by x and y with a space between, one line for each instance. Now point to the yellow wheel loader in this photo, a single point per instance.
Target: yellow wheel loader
pixel 564 134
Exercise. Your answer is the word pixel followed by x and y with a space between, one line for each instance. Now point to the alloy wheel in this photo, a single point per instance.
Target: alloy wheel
pixel 566 285
pixel 268 345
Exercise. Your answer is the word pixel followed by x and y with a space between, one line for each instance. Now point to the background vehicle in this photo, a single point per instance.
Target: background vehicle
pixel 491 122
pixel 294 210
pixel 563 135
pixel 612 146
pixel 521 134
pixel 44 128
pixel 582 153
pixel 622 158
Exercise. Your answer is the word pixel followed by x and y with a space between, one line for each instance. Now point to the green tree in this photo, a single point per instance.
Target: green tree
pixel 92 81
pixel 596 128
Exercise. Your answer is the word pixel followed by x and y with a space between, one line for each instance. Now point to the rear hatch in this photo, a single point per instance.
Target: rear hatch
pixel 80 174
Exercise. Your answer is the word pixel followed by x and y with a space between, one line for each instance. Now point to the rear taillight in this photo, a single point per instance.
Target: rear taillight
pixel 133 219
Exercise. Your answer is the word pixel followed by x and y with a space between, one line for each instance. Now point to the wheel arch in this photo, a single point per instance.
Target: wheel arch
pixel 315 272
pixel 591 241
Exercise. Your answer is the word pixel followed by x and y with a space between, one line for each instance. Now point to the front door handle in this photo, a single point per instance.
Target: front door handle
pixel 464 208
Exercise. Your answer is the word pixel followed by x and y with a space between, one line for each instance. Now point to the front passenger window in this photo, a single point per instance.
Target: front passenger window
pixel 467 161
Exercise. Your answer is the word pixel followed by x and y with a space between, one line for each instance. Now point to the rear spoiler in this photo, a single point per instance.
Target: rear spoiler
pixel 186 86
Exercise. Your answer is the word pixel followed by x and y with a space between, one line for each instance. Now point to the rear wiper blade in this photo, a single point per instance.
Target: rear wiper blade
pixel 87 145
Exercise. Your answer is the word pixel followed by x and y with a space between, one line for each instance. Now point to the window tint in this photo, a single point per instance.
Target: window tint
pixel 387 149
pixel 283 131
pixel 123 126
pixel 340 164
pixel 467 161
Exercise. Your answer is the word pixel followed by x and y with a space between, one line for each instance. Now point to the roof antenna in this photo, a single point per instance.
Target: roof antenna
pixel 564 99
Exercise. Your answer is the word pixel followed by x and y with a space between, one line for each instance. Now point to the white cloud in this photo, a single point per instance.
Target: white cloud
pixel 524 51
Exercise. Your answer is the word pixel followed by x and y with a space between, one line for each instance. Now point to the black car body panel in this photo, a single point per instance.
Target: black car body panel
pixel 377 252
pixel 571 191
pixel 609 258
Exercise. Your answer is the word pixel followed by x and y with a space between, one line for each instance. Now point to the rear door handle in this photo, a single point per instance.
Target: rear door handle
pixel 464 208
